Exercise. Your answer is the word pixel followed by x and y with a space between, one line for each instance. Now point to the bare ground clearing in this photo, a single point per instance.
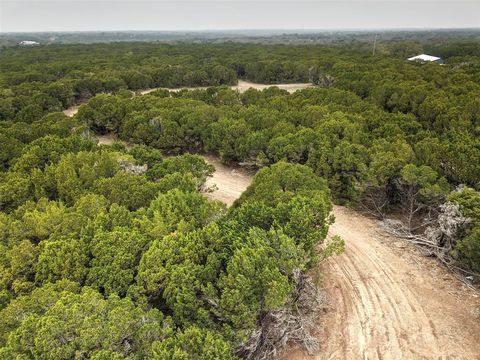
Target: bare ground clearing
pixel 241 87
pixel 388 301
pixel 245 85
pixel 107 139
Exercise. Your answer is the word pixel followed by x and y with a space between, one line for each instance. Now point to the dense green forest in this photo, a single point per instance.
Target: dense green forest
pixel 112 252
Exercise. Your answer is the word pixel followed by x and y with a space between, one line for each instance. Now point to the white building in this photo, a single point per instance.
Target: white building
pixel 426 58
pixel 28 43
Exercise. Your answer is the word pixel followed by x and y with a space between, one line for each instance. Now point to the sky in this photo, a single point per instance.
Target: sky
pixel 200 15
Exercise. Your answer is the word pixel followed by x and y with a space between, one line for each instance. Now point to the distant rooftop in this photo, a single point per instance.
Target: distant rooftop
pixel 424 57
pixel 28 42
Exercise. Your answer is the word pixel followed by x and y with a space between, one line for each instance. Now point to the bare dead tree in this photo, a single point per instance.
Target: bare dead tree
pixel 447 230
pixel 131 168
pixel 316 77
pixel 410 205
pixel 293 324
pixel 375 201
pixel 440 238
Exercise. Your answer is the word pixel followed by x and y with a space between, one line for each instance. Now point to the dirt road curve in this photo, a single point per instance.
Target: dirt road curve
pixel 241 87
pixel 245 85
pixel 388 301
pixel 230 182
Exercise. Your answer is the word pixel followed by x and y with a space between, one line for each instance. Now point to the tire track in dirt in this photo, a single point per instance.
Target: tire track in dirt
pixel 387 301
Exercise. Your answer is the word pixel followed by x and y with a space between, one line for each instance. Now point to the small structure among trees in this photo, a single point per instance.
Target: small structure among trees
pixel 423 58
pixel 28 43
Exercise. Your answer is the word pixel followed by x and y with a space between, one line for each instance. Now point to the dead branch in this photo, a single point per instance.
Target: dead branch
pixel 295 323
pixel 439 239
pixel 375 201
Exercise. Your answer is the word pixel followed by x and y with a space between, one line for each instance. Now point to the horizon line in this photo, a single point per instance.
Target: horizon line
pixel 243 30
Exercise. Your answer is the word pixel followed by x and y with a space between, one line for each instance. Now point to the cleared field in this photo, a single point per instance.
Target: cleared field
pixel 243 86
pixel 105 139
pixel 387 301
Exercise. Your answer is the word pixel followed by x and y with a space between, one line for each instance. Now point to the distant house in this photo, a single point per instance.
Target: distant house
pixel 28 43
pixel 423 58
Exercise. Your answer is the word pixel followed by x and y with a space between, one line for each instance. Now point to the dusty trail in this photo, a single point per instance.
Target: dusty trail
pixel 242 86
pixel 230 182
pixel 71 111
pixel 245 85
pixel 388 301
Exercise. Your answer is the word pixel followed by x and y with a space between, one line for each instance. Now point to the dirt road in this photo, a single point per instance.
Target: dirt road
pixel 71 111
pixel 230 182
pixel 387 301
pixel 242 86
pixel 245 85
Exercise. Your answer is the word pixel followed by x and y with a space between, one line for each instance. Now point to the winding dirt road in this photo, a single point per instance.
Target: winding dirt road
pixel 387 301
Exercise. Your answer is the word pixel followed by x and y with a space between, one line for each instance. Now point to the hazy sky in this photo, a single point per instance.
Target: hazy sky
pixel 65 15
